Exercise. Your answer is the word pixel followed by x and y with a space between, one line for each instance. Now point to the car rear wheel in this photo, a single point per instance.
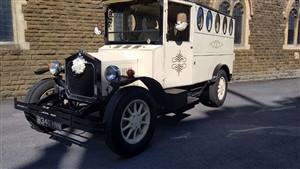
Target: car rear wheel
pixel 130 121
pixel 215 94
pixel 41 93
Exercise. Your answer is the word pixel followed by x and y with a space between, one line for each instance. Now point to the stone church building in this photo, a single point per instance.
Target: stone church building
pixel 34 32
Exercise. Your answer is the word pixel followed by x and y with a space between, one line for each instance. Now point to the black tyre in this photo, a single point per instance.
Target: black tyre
pixel 130 121
pixel 216 93
pixel 40 93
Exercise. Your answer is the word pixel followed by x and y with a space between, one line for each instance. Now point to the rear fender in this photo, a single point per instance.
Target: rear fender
pixel 221 67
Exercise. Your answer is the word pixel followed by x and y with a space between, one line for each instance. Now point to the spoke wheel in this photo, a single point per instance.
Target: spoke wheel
pixel 135 121
pixel 221 88
pixel 215 94
pixel 130 121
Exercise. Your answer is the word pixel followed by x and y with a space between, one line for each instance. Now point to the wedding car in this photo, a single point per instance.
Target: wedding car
pixel 159 57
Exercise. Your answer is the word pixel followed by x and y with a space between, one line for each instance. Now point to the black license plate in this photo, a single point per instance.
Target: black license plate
pixel 48 123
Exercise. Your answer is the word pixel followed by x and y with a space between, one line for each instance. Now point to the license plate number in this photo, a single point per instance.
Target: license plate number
pixel 48 123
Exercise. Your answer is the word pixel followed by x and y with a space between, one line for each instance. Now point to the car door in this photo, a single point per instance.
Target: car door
pixel 178 46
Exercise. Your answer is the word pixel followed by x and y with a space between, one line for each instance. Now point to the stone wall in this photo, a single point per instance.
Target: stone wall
pixel 55 30
pixel 266 58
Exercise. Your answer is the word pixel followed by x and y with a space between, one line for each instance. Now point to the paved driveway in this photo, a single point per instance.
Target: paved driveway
pixel 258 127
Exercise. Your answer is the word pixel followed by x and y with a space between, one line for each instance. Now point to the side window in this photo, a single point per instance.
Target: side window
pixel 217 23
pixel 178 22
pixel 225 25
pixel 231 27
pixel 200 18
pixel 209 21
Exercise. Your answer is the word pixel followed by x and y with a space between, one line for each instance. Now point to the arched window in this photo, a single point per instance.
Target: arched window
pixel 291 26
pixel 224 7
pixel 241 11
pixel 238 15
pixel 292 17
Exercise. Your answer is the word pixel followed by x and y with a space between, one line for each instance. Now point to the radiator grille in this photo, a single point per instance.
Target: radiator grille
pixel 86 86
pixel 82 84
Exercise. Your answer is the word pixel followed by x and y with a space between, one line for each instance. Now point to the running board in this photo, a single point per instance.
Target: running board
pixel 191 103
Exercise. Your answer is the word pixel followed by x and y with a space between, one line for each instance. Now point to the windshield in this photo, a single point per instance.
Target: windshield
pixel 138 23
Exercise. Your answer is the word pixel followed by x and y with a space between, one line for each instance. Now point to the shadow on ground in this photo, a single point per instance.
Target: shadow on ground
pixel 249 136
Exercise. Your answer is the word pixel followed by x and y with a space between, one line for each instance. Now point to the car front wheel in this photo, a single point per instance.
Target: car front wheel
pixel 130 122
pixel 41 93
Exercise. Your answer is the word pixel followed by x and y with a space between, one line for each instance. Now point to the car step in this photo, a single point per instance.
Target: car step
pixel 176 98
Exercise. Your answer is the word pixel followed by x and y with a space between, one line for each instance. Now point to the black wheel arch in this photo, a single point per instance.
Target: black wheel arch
pixel 36 87
pixel 153 86
pixel 222 67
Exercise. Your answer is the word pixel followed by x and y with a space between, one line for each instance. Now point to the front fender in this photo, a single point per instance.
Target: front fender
pixel 154 87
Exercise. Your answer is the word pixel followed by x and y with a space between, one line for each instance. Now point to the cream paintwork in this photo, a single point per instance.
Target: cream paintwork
pixel 147 60
pixel 203 53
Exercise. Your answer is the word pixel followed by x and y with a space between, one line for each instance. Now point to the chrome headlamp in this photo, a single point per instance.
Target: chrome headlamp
pixel 112 73
pixel 55 67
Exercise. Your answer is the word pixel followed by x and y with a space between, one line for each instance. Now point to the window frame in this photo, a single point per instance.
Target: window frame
pixel 218 23
pixel 209 27
pixel 18 25
pixel 200 20
pixel 189 20
pixel 225 25
pixel 291 6
pixel 10 22
pixel 247 16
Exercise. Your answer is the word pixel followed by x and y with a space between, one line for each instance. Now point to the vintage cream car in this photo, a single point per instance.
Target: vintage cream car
pixel 159 57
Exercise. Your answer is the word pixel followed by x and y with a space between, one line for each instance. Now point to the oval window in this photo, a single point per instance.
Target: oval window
pixel 200 18
pixel 231 27
pixel 209 21
pixel 225 25
pixel 217 23
pixel 131 22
